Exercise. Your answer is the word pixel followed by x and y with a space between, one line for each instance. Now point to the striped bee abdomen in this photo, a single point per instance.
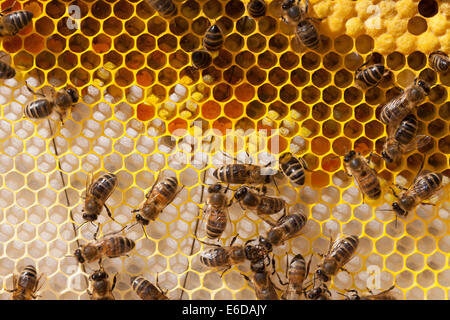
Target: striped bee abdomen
pixel 293 168
pixel 308 34
pixel 146 290
pixel 215 257
pixel 371 75
pixel 256 8
pixel 407 129
pixel 15 21
pixel 270 205
pixel 104 186
pixel 426 185
pixel 39 109
pixel 28 278
pixel 6 71
pixel 344 249
pixel 216 224
pixel 439 61
pixel 370 185
pixel 118 246
pixel 213 39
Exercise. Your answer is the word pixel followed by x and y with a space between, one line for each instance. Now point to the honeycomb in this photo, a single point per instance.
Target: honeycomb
pixel 143 110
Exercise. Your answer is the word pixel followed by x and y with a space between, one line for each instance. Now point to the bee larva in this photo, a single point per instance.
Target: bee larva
pixel 264 287
pixel 424 186
pixel 370 76
pixel 6 71
pixel 110 247
pixel 12 23
pixel 403 140
pixel 258 202
pixel 341 252
pixel 216 210
pixel 297 272
pixel 96 195
pixel 213 39
pixel 101 288
pixel 61 101
pixel 26 286
pixel 286 228
pixel 384 295
pixel 256 8
pixel 146 290
pixel 439 61
pixel 166 8
pixel 157 199
pixel 201 59
pixel 399 107
pixel 293 168
pixel 357 166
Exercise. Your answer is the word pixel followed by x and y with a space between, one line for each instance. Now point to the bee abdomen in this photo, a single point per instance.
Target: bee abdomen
pixel 104 186
pixel 371 75
pixel 39 109
pixel 426 185
pixel 407 129
pixel 215 257
pixel 256 8
pixel 293 223
pixel 166 8
pixel 119 246
pixel 439 61
pixel 28 277
pixel 213 39
pixel 16 21
pixel 269 205
pixel 201 59
pixel 216 224
pixel 146 290
pixel 347 248
pixel 308 34
pixel 6 71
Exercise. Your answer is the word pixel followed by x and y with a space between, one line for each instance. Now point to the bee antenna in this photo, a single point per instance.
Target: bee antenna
pixel 81 225
pixel 143 229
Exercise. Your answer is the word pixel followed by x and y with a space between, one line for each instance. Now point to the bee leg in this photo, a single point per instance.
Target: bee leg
pixel 164 292
pixel 428 204
pixel 317 20
pixel 114 281
pixel 345 270
pixel 400 187
pixel 223 272
pixel 233 240
pixel 89 293
pixel 306 5
pixel 110 214
pixel 8 9
pixel 209 244
pixel 96 232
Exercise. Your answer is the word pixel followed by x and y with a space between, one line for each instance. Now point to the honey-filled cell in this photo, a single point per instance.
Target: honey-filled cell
pixel 145 112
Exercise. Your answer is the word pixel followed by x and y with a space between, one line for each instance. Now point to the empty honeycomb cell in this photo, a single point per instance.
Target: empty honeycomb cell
pixel 310 94
pixel 222 92
pixel 299 77
pixel 342 112
pixel 133 60
pixel 255 109
pixel 426 111
pixel 428 75
pixel 353 61
pixel 417 25
pixel 343 78
pixel 353 95
pixel 288 93
pixel 256 76
pixel 417 60
pixel 320 145
pixel 212 9
pixel 234 42
pixel 156 60
pixel 364 44
pixel 330 163
pixel 444 144
pixel 89 60
pixel 233 75
pixel 256 42
pixel 405 78
pixel 166 43
pixel 331 95
pixel 342 145
pixel 136 26
pixel 234 9
pixel 123 9
pixel 374 129
pixel 437 128
pixel 332 61
pixel 438 161
pixel 225 24
pixel 278 43
pixel 310 60
pixel 395 61
pixel 343 43
pixel 321 78
pixel 145 43
pixel 267 93
pixel 320 111
pixel 101 10
pixel 113 26
pixel 438 94
pixel 224 59
pixel 277 76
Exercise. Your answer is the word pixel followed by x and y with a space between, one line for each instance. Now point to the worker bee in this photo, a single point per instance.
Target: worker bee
pixel 286 228
pixel 101 288
pixel 61 101
pixel 238 173
pixel 296 274
pixel 146 290
pixel 384 295
pixel 228 256
pixel 12 23
pixel 160 196
pixel 424 186
pixel 370 76
pixel 399 107
pixel 439 61
pixel 357 166
pixel 293 168
pixel 6 71
pixel 26 286
pixel 264 287
pixel 339 253
pixel 216 211
pixel 201 59
pixel 293 13
pixel 403 140
pixel 96 195
pixel 258 202
pixel 166 8
pixel 256 8
pixel 213 39
pixel 319 293
pixel 109 246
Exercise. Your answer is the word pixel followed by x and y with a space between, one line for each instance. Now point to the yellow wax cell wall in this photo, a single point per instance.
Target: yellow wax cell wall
pixel 141 104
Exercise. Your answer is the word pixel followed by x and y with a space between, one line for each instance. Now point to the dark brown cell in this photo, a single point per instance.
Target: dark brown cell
pixel 393 92
pixel 343 78
pixel 352 129
pixel 112 26
pixel 363 145
pixel 426 111
pixel 267 93
pixel 45 26
pixel 55 9
pixel 299 77
pixel 123 43
pixel 144 11
pixel 312 126
pixel 278 76
pixel 57 77
pixel 332 61
pixel 363 112
pixel 374 129
pixel 417 25
pixel 212 9
pixel 438 94
pixel 134 26
pixel 167 43
pixel 352 95
pixel 245 59
pixel 438 161
pixel 343 44
pixel 190 9
pixel 331 129
pixel 289 60
pixel 156 60
pixel 302 109
pixel 23 60
pixel 124 77
pixel 278 43
pixel 288 93
pixel 194 74
pixel 429 75
pixel 179 26
pixel 146 43
pixel 267 60
pixel 310 94
pixel 233 75
pixel 320 111
pixel 245 25
pixel 255 110
pixel 226 25
pixel 267 25
pixel 101 10
pixel 79 77
pixel 331 95
pixel 353 61
pixel 222 92
pixel 364 44
pixel 437 128
pixel 374 96
pixel 310 60
pixel 341 146
pixel 234 42
pixel 444 144
pixel 256 42
pixel 45 60
pixel 178 59
pixel 167 76
pixel 395 61
pixel 444 111
pixel 428 8
pixel 245 124
pixel 234 9
pixel 200 25
pixel 78 43
pixel 56 43
pixel 189 42
pixel 90 60
pixel 342 112
pixel 256 76
pixel 417 60
pixel 321 78
pixel 156 26
pixel 123 9
pixel 224 59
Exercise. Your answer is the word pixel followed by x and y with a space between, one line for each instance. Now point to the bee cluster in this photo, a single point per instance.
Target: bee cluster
pixel 247 182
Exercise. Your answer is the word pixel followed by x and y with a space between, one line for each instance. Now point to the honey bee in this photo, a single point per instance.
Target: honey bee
pixel 216 211
pixel 370 76
pixel 339 253
pixel 286 228
pixel 319 293
pixel 6 71
pixel 292 12
pixel 157 199
pixel 403 140
pixel 439 61
pixel 61 101
pixel 264 287
pixel 296 274
pixel 109 246
pixel 146 290
pixel 228 256
pixel 26 286
pixel 357 166
pixel 101 288
pixel 256 8
pixel 385 295
pixel 238 173
pixel 398 108
pixel 166 8
pixel 425 185
pixel 201 59
pixel 12 23
pixel 293 168
pixel 213 39
pixel 258 202
pixel 96 195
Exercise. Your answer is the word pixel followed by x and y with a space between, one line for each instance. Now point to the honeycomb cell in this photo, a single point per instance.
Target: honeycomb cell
pixel 353 95
pixel 246 25
pixel 310 60
pixel 417 25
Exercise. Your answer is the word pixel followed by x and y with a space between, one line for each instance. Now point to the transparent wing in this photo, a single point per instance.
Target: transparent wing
pixel 417 143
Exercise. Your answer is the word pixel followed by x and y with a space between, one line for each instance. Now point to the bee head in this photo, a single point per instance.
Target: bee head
pixel 99 275
pixel 258 266
pixel 425 86
pixel 79 256
pixel 215 188
pixel 287 4
pixel 349 156
pixel 320 273
pixel 386 157
pixel 399 211
pixel 73 94
pixel 240 193
pixel 142 220
pixel 293 12
pixel 314 293
pixel 92 208
pixel 267 245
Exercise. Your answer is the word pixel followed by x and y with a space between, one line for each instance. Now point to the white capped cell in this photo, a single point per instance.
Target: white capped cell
pixel 174 98
pixel 180 90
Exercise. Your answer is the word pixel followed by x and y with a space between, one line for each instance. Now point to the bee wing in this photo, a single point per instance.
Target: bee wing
pixel 149 193
pixel 417 143
pixel 392 105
